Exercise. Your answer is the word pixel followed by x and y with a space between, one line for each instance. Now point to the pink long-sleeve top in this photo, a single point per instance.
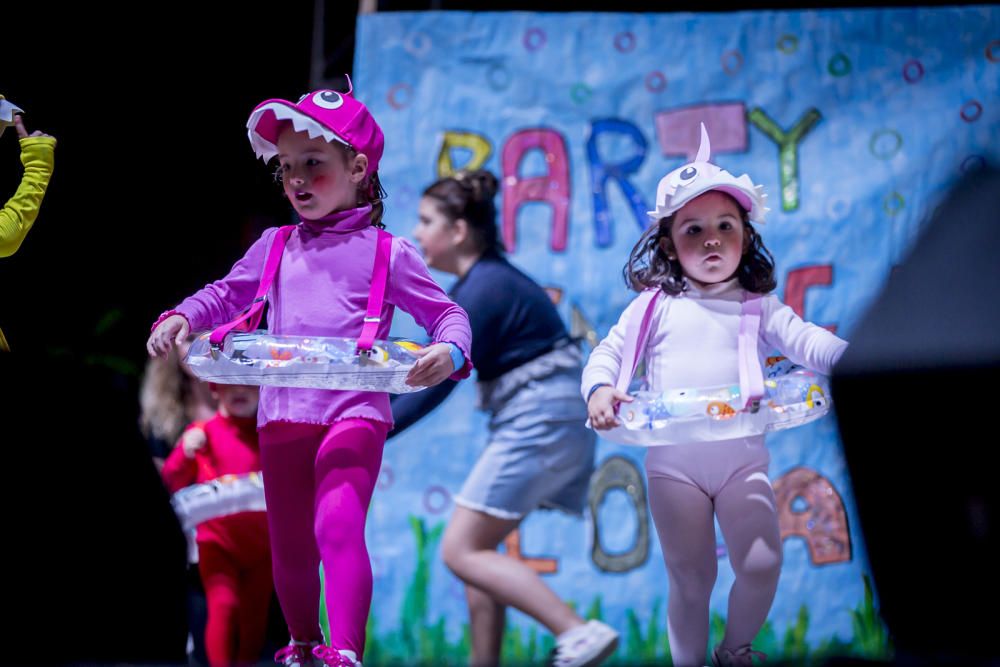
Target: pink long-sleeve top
pixel 321 289
pixel 694 340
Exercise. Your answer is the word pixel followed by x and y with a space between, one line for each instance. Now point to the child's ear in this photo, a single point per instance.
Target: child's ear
pixel 667 247
pixel 359 167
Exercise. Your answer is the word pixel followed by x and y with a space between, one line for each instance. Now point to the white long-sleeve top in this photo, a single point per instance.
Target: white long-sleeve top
pixel 693 340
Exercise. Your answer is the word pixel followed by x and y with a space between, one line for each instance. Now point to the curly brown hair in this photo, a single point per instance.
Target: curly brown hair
pixel 649 266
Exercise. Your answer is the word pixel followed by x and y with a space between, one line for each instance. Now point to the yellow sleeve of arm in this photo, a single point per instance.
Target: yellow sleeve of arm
pixel 19 213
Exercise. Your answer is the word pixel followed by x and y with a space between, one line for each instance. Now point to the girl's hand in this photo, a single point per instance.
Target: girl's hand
pixel 22 132
pixel 193 440
pixel 602 407
pixel 433 366
pixel 171 331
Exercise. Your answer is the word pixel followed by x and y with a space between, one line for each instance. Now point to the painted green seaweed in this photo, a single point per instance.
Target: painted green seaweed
pixel 420 640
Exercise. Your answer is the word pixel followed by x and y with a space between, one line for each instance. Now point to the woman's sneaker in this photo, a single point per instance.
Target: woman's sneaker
pixel 741 657
pixel 298 654
pixel 585 645
pixel 331 657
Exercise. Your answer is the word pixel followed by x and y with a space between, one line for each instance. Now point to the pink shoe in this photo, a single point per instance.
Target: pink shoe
pixel 297 654
pixel 741 657
pixel 331 657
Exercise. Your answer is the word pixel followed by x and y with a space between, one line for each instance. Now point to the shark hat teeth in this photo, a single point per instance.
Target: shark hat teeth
pixel 696 178
pixel 265 149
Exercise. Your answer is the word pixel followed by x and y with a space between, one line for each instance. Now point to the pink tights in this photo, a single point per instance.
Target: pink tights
pixel 687 485
pixel 318 482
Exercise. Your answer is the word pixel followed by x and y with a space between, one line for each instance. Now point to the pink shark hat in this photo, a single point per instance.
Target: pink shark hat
pixel 695 178
pixel 322 113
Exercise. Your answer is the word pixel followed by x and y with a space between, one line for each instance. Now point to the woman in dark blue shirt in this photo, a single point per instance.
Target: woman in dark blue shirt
pixel 540 454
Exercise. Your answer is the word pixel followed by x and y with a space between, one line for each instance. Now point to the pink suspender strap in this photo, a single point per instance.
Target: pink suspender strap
pixel 249 320
pixel 636 334
pixel 751 377
pixel 376 295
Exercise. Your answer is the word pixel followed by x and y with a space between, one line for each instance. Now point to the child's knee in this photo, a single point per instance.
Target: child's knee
pixel 337 536
pixel 691 576
pixel 453 550
pixel 762 561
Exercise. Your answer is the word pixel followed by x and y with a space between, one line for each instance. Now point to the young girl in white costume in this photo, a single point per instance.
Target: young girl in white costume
pixel 706 258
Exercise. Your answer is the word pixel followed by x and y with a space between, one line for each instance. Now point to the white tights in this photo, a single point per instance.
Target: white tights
pixel 687 483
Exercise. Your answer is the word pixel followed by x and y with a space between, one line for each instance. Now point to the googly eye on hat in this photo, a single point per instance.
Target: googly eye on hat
pixel 696 178
pixel 330 114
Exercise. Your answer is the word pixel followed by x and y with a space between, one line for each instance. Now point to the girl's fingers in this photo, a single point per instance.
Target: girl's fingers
pixel 19 126
pixel 416 373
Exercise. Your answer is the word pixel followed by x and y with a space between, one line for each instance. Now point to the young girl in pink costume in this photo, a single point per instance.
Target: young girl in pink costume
pixel 706 258
pixel 321 449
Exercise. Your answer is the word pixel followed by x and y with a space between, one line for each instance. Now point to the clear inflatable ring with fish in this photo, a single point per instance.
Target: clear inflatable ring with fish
pixel 316 362
pixel 793 396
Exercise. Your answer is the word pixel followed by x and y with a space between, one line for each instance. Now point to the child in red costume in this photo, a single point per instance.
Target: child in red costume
pixel 234 556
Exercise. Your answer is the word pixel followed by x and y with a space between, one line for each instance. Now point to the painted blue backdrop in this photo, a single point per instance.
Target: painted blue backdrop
pixel 856 122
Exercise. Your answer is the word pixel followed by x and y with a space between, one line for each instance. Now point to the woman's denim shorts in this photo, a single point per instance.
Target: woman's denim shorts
pixel 540 452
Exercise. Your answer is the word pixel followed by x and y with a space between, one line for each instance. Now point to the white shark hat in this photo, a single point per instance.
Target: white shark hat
pixel 695 178
pixel 7 112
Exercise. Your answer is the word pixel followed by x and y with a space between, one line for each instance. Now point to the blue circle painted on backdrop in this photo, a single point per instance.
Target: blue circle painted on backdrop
pixel 624 42
pixel 498 77
pixel 580 93
pixel 732 62
pixel 788 44
pixel 885 143
pixel 839 65
pixel 993 51
pixel 893 203
pixel 838 208
pixel 971 111
pixel 417 44
pixel 400 96
pixel 913 71
pixel 534 39
pixel 656 82
pixel 436 499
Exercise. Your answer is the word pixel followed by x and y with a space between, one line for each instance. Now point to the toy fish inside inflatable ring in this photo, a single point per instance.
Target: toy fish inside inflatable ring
pixel 316 362
pixel 793 396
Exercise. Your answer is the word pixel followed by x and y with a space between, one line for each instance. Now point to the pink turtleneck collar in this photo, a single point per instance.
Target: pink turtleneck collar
pixel 341 222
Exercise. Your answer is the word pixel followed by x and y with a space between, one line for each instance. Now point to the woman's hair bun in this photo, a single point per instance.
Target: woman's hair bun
pixel 482 183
